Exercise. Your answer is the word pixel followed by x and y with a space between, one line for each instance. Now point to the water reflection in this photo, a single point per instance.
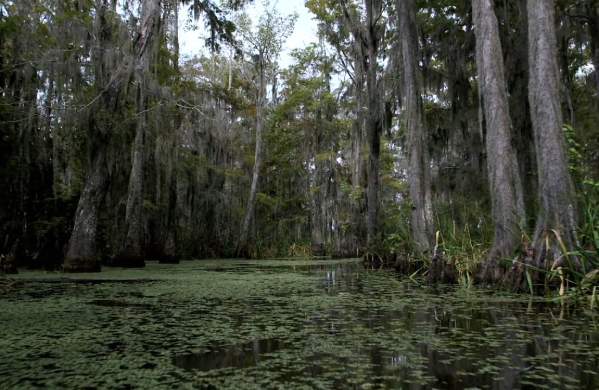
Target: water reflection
pixel 455 342
pixel 450 338
pixel 237 356
pixel 330 279
pixel 289 324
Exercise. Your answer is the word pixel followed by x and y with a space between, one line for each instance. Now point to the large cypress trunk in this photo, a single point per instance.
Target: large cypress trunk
pixel 82 253
pixel 557 217
pixel 418 170
pixel 504 181
pixel 132 251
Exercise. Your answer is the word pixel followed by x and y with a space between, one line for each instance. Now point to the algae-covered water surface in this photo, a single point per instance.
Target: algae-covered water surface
pixel 284 324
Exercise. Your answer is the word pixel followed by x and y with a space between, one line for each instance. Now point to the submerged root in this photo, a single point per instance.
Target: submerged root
pixel 373 260
pixel 526 273
pixel 244 252
pixel 501 261
pixel 441 271
pixel 318 250
pixel 406 265
pixel 517 278
pixel 491 272
pixel 545 265
pixel 164 254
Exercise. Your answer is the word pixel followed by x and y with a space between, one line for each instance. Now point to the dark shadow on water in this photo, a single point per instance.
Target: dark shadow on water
pixel 118 303
pixel 236 356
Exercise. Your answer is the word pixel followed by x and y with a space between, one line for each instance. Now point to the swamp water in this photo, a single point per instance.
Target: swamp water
pixel 284 324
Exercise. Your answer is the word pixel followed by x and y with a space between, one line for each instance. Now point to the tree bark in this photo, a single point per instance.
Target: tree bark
pixel 243 248
pixel 318 192
pixel 373 132
pixel 505 186
pixel 374 124
pixel 557 211
pixel 418 170
pixel 368 36
pixel 132 251
pixel 358 177
pixel 82 254
pixel 515 45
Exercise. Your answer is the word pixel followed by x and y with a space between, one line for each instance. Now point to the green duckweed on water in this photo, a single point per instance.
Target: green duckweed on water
pixel 284 324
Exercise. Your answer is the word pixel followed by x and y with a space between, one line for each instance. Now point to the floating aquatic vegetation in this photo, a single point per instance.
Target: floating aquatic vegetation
pixel 312 324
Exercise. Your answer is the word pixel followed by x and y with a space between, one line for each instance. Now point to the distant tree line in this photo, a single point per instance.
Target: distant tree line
pixel 453 137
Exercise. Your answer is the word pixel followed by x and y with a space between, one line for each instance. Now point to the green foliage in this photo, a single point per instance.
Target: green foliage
pixel 465 253
pixel 588 190
pixel 266 39
pixel 300 250
pixel 464 234
pixel 589 228
pixel 397 234
pixel 325 10
pixel 575 154
pixel 266 200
